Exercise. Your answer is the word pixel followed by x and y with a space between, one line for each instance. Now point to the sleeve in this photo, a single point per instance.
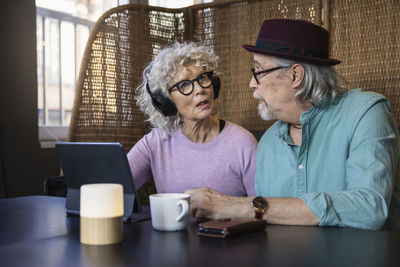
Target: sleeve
pixel 370 172
pixel 139 161
pixel 250 170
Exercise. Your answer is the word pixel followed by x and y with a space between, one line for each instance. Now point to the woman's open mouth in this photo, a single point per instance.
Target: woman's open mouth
pixel 203 104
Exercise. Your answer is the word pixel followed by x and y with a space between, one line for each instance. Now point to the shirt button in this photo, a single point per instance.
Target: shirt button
pixel 301 166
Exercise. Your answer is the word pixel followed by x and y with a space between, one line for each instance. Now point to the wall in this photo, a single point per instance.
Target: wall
pixel 23 164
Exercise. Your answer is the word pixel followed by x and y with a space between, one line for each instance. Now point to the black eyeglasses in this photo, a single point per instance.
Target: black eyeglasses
pixel 266 71
pixel 186 87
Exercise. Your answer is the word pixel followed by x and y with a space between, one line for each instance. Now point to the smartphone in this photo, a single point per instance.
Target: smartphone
pixel 213 231
pixel 223 228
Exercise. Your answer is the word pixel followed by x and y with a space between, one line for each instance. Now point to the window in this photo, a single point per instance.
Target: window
pixel 63 28
pixel 62 31
pixel 174 4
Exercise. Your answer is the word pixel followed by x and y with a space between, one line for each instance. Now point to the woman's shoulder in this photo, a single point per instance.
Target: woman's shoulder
pixel 154 139
pixel 235 131
pixel 155 135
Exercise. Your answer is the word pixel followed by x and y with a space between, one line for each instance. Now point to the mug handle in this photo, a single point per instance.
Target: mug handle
pixel 185 209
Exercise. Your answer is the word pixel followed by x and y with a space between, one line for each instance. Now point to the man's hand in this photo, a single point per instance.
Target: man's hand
pixel 210 204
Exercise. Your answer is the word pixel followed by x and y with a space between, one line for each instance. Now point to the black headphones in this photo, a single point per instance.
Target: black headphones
pixel 166 106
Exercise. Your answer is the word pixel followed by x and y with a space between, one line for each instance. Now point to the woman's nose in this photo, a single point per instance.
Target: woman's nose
pixel 198 89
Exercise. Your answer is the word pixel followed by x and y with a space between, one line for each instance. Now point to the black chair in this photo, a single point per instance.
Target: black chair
pixel 55 186
pixel 257 134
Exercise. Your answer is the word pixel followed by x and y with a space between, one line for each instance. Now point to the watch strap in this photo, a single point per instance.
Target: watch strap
pixel 258 213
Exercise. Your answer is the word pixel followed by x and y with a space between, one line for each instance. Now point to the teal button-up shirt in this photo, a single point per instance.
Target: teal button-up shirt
pixel 346 165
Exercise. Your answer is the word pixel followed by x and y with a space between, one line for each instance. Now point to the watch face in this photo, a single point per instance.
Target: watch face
pixel 259 203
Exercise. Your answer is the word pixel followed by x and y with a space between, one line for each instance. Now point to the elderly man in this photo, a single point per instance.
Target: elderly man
pixel 332 157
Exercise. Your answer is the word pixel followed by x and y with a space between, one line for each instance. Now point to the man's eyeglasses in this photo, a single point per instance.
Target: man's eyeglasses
pixel 266 71
pixel 186 87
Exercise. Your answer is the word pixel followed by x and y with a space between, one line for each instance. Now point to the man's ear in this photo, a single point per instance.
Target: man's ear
pixel 298 72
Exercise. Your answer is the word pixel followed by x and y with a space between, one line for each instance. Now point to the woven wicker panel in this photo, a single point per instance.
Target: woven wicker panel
pixel 365 35
pixel 121 43
pixel 226 27
pixel 126 38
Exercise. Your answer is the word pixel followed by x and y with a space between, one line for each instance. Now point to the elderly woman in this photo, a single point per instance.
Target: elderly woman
pixel 189 146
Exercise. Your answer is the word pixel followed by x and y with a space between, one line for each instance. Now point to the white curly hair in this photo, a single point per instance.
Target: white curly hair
pixel 160 73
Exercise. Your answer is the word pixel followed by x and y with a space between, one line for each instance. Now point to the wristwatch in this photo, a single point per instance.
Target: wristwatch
pixel 260 206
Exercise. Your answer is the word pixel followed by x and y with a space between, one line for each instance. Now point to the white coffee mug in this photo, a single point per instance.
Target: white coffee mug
pixel 169 212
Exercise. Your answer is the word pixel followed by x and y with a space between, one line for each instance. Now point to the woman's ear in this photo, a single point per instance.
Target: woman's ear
pixel 297 75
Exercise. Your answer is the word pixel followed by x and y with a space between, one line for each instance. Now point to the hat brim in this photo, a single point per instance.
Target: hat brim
pixel 319 61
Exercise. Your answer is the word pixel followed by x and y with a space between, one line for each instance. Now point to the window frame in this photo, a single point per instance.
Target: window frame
pixel 49 135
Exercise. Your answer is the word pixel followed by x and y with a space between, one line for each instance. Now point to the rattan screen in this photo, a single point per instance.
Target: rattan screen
pixel 365 35
pixel 126 38
pixel 226 27
pixel 120 44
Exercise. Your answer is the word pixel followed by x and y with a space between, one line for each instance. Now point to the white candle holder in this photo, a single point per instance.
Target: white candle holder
pixel 101 212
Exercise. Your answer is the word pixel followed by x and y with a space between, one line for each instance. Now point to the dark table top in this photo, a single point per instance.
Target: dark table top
pixel 34 231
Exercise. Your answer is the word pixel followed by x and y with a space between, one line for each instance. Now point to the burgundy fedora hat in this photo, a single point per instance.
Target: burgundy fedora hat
pixel 293 39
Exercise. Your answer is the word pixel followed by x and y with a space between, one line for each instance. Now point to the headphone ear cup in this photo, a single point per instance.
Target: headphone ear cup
pixel 216 83
pixel 163 104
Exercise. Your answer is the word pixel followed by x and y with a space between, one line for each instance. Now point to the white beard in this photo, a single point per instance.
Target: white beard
pixel 263 111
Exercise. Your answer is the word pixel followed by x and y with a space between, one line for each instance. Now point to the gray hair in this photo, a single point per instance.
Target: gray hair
pixel 160 72
pixel 319 81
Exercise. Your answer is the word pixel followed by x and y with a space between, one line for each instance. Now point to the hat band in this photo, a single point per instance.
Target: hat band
pixel 289 49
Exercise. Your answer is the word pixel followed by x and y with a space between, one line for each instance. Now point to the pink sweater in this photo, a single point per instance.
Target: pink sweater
pixel 226 164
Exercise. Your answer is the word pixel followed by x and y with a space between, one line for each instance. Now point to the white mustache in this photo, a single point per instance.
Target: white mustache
pixel 263 111
pixel 258 97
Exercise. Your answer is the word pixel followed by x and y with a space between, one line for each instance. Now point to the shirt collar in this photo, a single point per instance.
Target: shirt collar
pixel 305 118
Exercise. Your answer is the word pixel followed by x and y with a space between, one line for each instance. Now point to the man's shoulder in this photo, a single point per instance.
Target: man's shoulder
pixel 358 96
pixel 355 108
pixel 276 127
pixel 275 130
